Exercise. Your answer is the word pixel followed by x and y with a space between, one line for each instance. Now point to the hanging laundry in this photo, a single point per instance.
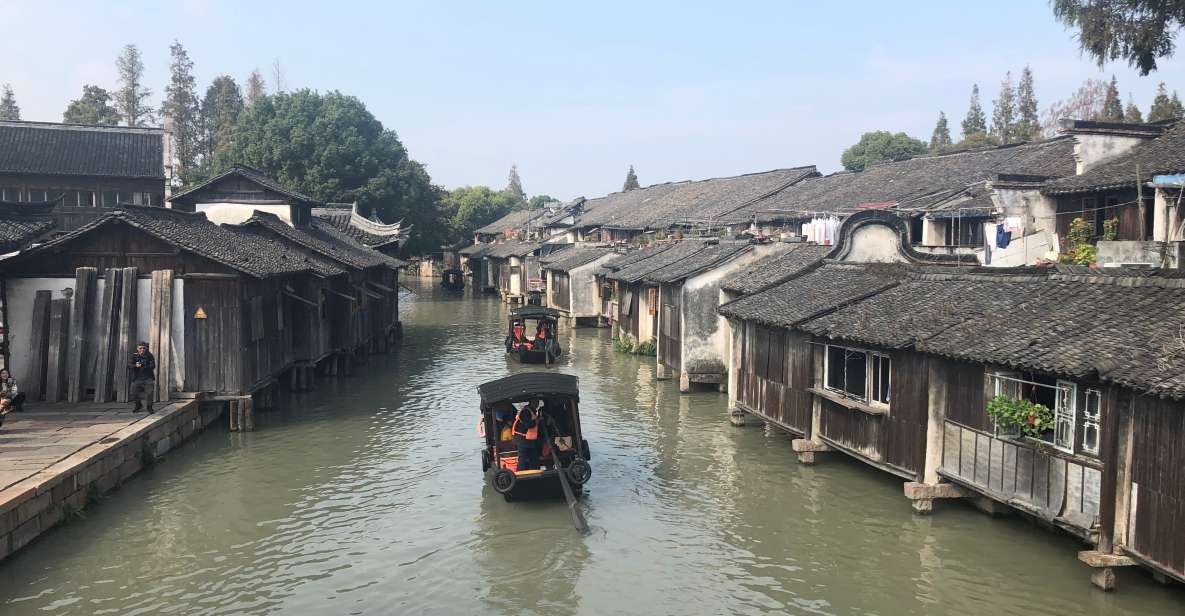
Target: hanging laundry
pixel 1014 224
pixel 1003 237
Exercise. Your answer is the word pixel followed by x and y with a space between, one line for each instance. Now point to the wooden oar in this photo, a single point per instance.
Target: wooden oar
pixel 577 517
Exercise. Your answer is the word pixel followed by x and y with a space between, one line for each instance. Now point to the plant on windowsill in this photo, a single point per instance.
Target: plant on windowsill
pixel 1020 416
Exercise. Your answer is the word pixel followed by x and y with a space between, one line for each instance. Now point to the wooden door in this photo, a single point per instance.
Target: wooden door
pixel 213 353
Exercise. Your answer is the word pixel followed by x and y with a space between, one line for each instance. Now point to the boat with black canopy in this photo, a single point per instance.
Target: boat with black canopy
pixel 531 335
pixel 452 279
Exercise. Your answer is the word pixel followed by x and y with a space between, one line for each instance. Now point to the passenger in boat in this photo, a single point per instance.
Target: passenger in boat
pixel 526 436
pixel 9 391
pixel 518 338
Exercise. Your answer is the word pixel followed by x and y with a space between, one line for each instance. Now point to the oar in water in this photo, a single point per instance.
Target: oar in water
pixel 577 517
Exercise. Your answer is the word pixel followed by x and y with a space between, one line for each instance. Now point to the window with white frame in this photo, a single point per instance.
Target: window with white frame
pixel 1060 396
pixel 1065 414
pixel 1091 421
pixel 857 373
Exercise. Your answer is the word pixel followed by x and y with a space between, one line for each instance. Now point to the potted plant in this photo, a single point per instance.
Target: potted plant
pixel 1015 417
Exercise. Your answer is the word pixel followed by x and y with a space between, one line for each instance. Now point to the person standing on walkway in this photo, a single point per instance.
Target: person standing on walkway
pixel 142 367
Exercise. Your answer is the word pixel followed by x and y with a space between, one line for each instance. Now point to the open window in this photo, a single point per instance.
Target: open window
pixel 1056 398
pixel 858 373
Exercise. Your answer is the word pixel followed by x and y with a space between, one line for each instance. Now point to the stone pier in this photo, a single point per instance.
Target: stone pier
pixel 56 457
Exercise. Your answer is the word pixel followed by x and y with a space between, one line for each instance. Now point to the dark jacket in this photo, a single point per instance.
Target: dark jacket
pixel 147 369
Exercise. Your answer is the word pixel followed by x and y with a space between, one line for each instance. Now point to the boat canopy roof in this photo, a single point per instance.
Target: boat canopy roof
pixel 534 312
pixel 524 385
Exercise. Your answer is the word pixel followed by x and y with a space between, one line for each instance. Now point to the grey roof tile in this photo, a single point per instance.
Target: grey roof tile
pixel 43 148
pixel 776 269
pixel 1162 155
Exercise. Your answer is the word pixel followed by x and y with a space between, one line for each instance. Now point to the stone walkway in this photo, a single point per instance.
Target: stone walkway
pixel 45 433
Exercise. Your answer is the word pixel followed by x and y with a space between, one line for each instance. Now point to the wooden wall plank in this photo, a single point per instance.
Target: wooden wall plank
pixel 129 278
pixel 81 327
pixel 107 329
pixel 35 373
pixel 59 344
pixel 160 332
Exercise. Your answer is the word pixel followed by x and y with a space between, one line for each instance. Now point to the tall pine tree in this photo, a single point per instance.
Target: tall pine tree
pixel 181 111
pixel 93 107
pixel 220 113
pixel 1004 111
pixel 515 187
pixel 976 121
pixel 940 138
pixel 131 99
pixel 1132 113
pixel 256 88
pixel 631 180
pixel 1175 108
pixel 1112 106
pixel 1162 105
pixel 8 107
pixel 1028 123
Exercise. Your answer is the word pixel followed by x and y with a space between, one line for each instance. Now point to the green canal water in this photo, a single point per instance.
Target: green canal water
pixel 367 497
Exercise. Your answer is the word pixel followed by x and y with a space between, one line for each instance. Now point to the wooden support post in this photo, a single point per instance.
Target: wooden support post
pixel 39 337
pixel 126 339
pixel 248 415
pixel 59 343
pixel 161 330
pixel 108 329
pixel 80 331
pixel 232 412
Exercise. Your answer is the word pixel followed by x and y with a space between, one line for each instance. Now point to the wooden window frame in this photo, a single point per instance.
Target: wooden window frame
pixel 652 300
pixel 869 379
pixel 1092 419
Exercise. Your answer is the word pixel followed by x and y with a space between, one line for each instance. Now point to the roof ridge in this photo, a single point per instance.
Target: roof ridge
pixel 110 128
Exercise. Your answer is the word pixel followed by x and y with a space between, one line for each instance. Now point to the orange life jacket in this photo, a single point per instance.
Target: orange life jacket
pixel 532 433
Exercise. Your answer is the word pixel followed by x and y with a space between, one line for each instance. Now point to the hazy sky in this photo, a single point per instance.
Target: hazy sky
pixel 575 92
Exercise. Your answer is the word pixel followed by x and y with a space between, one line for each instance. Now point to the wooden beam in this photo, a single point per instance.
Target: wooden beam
pixel 59 343
pixel 39 339
pixel 382 287
pixel 80 330
pixel 344 295
pixel 309 303
pixel 108 329
pixel 160 330
pixel 126 340
pixel 368 291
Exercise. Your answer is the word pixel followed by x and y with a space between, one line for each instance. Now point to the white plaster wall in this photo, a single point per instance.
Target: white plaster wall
pixel 934 232
pixel 1037 211
pixel 646 322
pixel 1024 251
pixel 875 243
pixel 582 283
pixel 235 213
pixel 516 280
pixel 1091 150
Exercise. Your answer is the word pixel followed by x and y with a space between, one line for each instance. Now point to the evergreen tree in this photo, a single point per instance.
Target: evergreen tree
pixel 131 97
pixel 1175 108
pixel 1132 113
pixel 8 107
pixel 93 107
pixel 1004 111
pixel 1112 106
pixel 256 88
pixel 880 146
pixel 1161 108
pixel 181 110
pixel 631 180
pixel 220 113
pixel 976 121
pixel 940 138
pixel 515 187
pixel 1028 123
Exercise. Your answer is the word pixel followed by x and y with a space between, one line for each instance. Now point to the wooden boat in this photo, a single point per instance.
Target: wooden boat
pixel 565 455
pixel 531 335
pixel 452 279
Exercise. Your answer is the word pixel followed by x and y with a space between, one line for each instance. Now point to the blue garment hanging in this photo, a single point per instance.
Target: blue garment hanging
pixel 1002 237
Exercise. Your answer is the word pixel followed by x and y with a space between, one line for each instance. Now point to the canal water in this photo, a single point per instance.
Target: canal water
pixel 367 497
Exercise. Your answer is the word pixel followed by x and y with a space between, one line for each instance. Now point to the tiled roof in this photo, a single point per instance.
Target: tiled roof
pixel 514 220
pixel 1162 155
pixel 323 239
pixel 711 256
pixel 230 246
pixel 23 223
pixel 365 231
pixel 576 257
pixel 776 269
pixel 664 205
pixel 813 293
pixel 476 250
pixel 884 184
pixel 636 271
pixel 633 256
pixel 256 176
pixel 505 250
pixel 42 148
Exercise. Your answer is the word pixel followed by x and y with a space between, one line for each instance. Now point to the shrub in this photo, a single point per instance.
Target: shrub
pixel 1033 419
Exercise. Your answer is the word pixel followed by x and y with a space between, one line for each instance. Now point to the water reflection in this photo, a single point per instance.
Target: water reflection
pixel 367 497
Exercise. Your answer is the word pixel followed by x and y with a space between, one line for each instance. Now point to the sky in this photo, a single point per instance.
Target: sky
pixel 574 93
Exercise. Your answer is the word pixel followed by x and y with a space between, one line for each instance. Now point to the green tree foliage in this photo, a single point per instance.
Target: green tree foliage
pixel 1004 111
pixel 330 147
pixel 1112 106
pixel 631 180
pixel 881 146
pixel 131 99
pixel 256 88
pixel 514 186
pixel 220 113
pixel 976 121
pixel 472 207
pixel 181 110
pixel 1028 123
pixel 1139 31
pixel 975 141
pixel 539 201
pixel 1132 113
pixel 93 107
pixel 1164 107
pixel 940 138
pixel 9 110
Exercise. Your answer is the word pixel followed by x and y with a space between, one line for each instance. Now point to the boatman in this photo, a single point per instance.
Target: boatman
pixel 526 436
pixel 142 369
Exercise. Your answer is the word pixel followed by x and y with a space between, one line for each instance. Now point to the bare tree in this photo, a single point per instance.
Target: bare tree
pixel 1085 104
pixel 131 99
pixel 256 87
pixel 278 76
